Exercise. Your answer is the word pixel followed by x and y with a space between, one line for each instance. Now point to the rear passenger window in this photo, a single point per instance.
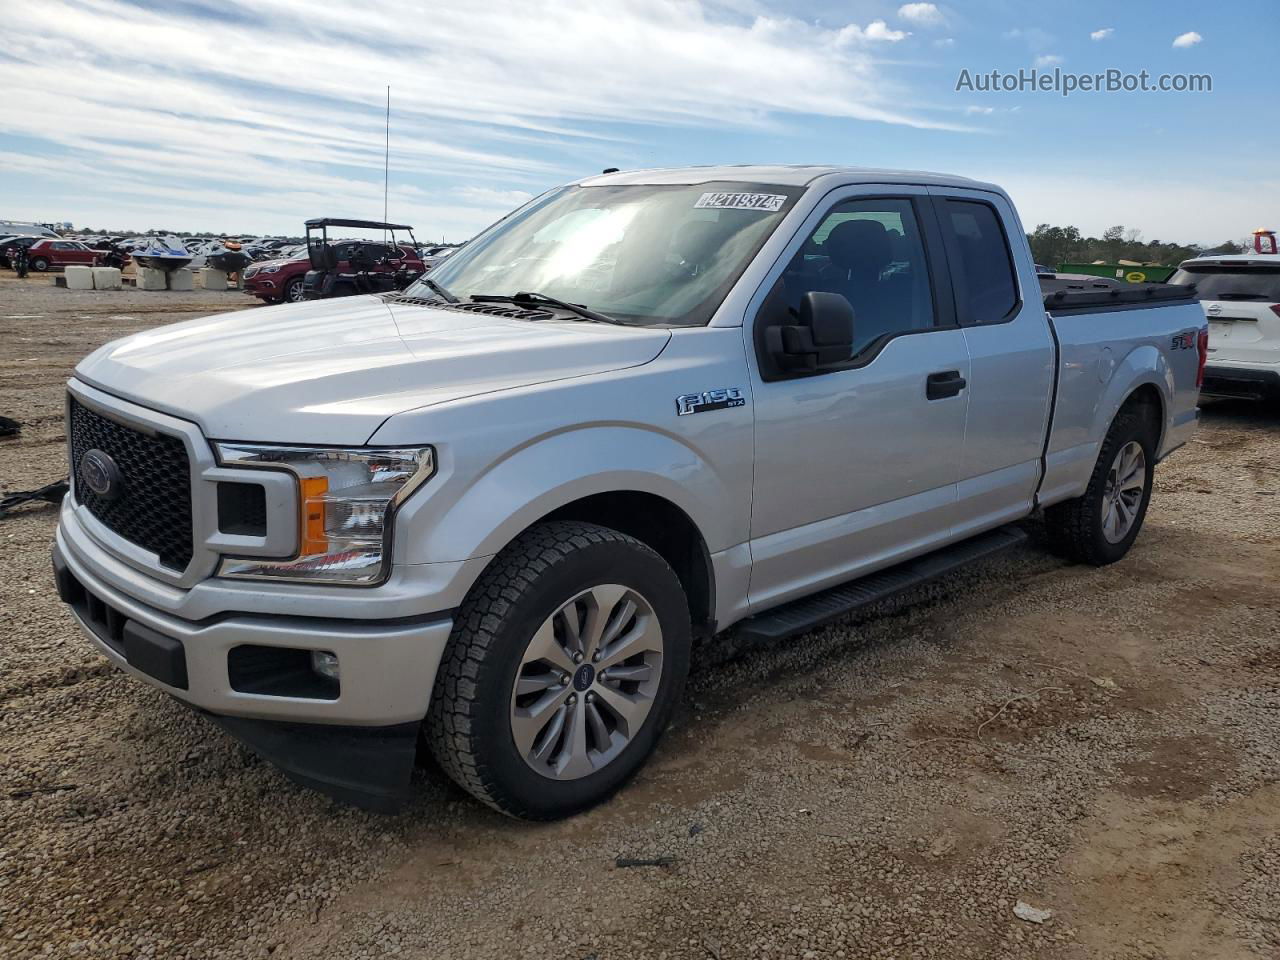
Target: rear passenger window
pixel 870 252
pixel 981 265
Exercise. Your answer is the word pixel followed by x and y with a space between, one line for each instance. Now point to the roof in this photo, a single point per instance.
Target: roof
pixel 1252 258
pixel 797 175
pixel 364 224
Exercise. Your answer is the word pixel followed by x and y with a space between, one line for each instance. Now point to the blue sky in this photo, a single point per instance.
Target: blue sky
pixel 253 115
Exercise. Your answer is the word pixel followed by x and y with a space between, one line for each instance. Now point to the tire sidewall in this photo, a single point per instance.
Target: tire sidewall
pixel 40 265
pixel 626 563
pixel 1120 435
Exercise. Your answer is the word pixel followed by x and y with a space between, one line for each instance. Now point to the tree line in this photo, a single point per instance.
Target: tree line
pixel 1052 246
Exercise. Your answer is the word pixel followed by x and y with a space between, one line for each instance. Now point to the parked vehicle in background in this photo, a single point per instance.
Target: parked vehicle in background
pixel 25 228
pixel 497 510
pixel 278 280
pixel 1240 294
pixel 18 241
pixel 359 266
pixel 54 254
pixel 432 256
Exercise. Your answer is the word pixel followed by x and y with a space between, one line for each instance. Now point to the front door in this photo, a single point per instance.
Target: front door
pixel 856 467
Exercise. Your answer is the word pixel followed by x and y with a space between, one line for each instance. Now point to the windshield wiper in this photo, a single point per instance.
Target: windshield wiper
pixel 529 298
pixel 439 291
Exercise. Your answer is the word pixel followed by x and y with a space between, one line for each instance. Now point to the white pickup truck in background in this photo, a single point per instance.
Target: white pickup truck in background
pixel 496 510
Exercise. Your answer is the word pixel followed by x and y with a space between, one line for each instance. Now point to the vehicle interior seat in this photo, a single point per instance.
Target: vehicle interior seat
pixel 859 252
pixel 697 243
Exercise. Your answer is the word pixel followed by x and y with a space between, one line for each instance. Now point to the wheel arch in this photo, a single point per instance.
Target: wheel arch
pixel 667 529
pixel 1141 381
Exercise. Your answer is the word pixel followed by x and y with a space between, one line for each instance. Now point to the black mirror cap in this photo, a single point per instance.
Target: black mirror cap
pixel 829 317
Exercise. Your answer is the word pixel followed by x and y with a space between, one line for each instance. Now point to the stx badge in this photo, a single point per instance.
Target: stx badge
pixel 710 400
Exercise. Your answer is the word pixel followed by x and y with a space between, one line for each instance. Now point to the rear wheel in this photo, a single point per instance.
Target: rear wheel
pixel 565 663
pixel 39 264
pixel 1100 526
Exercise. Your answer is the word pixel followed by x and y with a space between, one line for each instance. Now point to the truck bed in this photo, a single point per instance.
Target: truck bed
pixel 1063 298
pixel 1104 337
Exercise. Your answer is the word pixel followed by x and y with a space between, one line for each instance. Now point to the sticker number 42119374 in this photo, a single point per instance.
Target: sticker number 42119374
pixel 765 202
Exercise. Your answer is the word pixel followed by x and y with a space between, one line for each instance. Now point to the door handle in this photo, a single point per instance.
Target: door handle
pixel 945 384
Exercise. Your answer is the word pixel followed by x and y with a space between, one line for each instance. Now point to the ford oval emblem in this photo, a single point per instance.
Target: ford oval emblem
pixel 100 473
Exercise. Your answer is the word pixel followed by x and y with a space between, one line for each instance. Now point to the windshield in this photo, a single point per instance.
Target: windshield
pixel 662 255
pixel 1261 282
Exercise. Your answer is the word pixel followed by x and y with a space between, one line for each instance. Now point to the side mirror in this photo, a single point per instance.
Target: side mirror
pixel 823 338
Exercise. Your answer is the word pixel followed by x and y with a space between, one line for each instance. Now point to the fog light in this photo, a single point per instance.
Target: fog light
pixel 325 663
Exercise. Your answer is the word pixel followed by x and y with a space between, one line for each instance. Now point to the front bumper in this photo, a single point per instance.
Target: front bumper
pixel 262 287
pixel 354 740
pixel 1248 383
pixel 386 668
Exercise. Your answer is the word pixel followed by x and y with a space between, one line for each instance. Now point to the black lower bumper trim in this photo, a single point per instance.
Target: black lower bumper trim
pixel 155 654
pixel 368 767
pixel 1240 383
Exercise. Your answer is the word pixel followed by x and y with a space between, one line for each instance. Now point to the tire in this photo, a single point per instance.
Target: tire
pixel 1077 528
pixel 473 721
pixel 39 264
pixel 292 291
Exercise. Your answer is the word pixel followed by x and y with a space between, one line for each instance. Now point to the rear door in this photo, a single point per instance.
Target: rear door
pixel 1011 353
pixel 855 467
pixel 1241 299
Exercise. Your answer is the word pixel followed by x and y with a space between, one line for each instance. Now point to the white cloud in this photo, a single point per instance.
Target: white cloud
pixel 945 42
pixel 1048 60
pixel 1034 37
pixel 925 14
pixel 255 117
pixel 1102 34
pixel 982 110
pixel 879 30
pixel 1188 39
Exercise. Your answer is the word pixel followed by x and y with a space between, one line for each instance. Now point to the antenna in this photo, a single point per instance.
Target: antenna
pixel 386 165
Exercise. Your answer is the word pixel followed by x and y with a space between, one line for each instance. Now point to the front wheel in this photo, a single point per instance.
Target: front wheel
pixel 39 264
pixel 566 661
pixel 293 292
pixel 1100 526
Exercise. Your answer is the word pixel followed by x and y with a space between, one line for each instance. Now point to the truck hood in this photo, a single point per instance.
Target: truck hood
pixel 331 371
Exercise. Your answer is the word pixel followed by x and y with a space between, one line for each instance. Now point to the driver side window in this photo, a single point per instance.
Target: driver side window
pixel 870 252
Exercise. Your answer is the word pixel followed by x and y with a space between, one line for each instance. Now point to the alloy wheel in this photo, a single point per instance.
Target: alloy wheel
pixel 587 682
pixel 1122 495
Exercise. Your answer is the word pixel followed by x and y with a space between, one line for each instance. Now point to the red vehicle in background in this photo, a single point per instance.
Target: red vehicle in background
pixel 337 268
pixel 48 253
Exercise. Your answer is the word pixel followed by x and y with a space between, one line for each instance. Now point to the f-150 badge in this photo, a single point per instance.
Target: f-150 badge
pixel 710 400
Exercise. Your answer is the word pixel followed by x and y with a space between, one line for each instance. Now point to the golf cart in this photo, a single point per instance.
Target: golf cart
pixel 341 268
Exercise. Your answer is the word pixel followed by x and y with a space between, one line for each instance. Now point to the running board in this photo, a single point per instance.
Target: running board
pixel 809 612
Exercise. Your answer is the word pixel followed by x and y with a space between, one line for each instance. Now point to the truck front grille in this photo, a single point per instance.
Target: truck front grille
pixel 153 505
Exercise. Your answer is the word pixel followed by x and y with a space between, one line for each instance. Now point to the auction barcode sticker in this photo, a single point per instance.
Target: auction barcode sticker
pixel 767 202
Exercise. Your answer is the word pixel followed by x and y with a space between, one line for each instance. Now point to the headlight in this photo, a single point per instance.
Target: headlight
pixel 348 501
pixel 271 268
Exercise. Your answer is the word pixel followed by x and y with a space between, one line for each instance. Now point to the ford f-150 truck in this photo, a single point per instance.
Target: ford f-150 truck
pixel 495 511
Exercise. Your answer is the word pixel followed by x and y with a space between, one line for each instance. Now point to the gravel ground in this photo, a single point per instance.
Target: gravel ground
pixel 1102 744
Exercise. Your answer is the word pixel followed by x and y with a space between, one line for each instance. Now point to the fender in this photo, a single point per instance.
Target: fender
pixel 1077 431
pixel 1141 366
pixel 460 522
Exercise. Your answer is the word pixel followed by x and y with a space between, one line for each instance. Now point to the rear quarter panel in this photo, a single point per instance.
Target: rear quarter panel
pixel 1104 357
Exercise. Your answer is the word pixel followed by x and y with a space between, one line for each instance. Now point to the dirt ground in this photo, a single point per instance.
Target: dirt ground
pixel 1103 744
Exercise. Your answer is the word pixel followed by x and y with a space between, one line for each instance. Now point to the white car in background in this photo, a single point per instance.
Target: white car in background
pixel 1240 294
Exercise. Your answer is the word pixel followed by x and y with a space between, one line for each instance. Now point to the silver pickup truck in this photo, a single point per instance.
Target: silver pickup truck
pixel 496 510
